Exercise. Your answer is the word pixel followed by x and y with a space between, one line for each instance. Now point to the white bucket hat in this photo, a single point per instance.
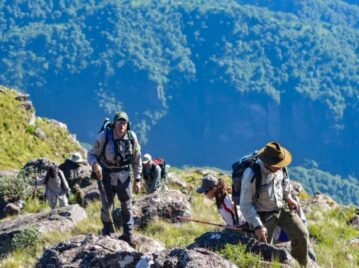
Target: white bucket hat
pixel 77 158
pixel 146 158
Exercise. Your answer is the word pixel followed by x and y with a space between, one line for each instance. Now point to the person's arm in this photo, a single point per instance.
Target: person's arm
pixel 287 196
pixel 94 154
pixel 137 161
pixel 248 191
pixel 157 174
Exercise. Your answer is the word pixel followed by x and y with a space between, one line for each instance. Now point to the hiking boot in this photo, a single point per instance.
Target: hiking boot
pixel 127 238
pixel 107 228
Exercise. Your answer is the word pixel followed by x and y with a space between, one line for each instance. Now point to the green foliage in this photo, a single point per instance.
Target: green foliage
pixel 28 237
pixel 18 144
pixel 343 190
pixel 16 187
pixel 237 254
pixel 331 234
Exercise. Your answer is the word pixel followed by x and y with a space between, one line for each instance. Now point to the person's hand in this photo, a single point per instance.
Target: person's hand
pixel 293 205
pixel 261 233
pixel 137 187
pixel 98 171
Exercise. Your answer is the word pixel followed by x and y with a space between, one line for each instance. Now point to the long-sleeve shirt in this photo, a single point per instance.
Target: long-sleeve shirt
pixel 108 159
pixel 274 190
pixel 227 212
pixel 57 186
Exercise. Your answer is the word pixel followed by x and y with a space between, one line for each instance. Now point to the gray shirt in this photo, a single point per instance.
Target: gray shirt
pixel 95 154
pixel 274 190
pixel 57 186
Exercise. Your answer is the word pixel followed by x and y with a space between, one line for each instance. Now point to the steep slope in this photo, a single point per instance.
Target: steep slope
pixel 23 136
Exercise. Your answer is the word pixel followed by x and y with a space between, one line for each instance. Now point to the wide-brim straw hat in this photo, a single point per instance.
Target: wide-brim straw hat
pixel 275 155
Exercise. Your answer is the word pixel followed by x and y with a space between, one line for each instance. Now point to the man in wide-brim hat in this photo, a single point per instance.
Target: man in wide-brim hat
pixel 265 208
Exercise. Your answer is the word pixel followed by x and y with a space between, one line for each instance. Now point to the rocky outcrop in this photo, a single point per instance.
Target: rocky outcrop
pixel 58 220
pixel 36 167
pixel 77 173
pixel 174 179
pixel 91 193
pixel 355 221
pixel 198 257
pixel 324 202
pixel 166 205
pixel 218 240
pixel 105 251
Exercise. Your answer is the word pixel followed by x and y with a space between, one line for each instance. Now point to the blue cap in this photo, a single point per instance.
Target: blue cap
pixel 207 183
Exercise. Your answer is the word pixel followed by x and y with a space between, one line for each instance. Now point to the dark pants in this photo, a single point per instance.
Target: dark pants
pixel 124 194
pixel 294 227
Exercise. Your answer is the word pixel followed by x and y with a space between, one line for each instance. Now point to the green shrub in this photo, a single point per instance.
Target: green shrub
pixel 16 187
pixel 28 237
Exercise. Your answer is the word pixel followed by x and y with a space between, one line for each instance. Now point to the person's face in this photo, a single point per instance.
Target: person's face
pixel 272 169
pixel 211 193
pixel 121 127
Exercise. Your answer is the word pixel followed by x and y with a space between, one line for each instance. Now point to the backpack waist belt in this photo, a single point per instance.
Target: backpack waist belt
pixel 116 169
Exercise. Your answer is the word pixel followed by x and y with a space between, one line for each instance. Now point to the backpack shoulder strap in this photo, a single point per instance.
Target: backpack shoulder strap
pixel 108 136
pixel 235 222
pixel 257 176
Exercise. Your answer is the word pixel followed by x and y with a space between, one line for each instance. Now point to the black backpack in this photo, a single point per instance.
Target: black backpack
pixel 162 164
pixel 238 169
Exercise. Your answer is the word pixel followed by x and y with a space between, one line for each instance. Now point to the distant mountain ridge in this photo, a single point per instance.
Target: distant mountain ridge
pixel 204 82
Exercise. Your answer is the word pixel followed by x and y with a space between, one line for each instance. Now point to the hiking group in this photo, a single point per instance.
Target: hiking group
pixel 260 198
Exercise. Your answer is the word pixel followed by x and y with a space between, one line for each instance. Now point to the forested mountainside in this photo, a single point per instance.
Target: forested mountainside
pixel 204 82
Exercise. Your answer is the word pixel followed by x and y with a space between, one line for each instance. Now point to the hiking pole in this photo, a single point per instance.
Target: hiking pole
pixel 105 202
pixel 238 229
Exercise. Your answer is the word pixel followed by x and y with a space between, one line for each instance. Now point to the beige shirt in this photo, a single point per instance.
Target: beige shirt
pixel 95 154
pixel 274 190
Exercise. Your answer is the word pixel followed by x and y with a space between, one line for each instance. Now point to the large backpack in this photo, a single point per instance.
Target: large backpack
pixel 162 164
pixel 238 169
pixel 107 127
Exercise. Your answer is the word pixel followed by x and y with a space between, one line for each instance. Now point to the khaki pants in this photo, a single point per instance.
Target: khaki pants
pixel 294 227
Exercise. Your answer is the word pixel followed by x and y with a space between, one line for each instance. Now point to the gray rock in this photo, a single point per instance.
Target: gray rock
pixel 22 97
pixel 108 251
pixel 147 245
pixel 12 209
pixel 173 178
pixel 40 133
pixel 355 221
pixel 27 105
pixel 37 167
pixel 166 205
pixel 198 257
pixel 58 124
pixel 91 193
pixel 354 242
pixel 58 220
pixel 218 240
pixel 77 173
pixel 90 251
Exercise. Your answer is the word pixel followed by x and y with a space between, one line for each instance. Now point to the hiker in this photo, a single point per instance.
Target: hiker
pixel 115 150
pixel 266 209
pixel 151 174
pixel 56 187
pixel 76 171
pixel 215 188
